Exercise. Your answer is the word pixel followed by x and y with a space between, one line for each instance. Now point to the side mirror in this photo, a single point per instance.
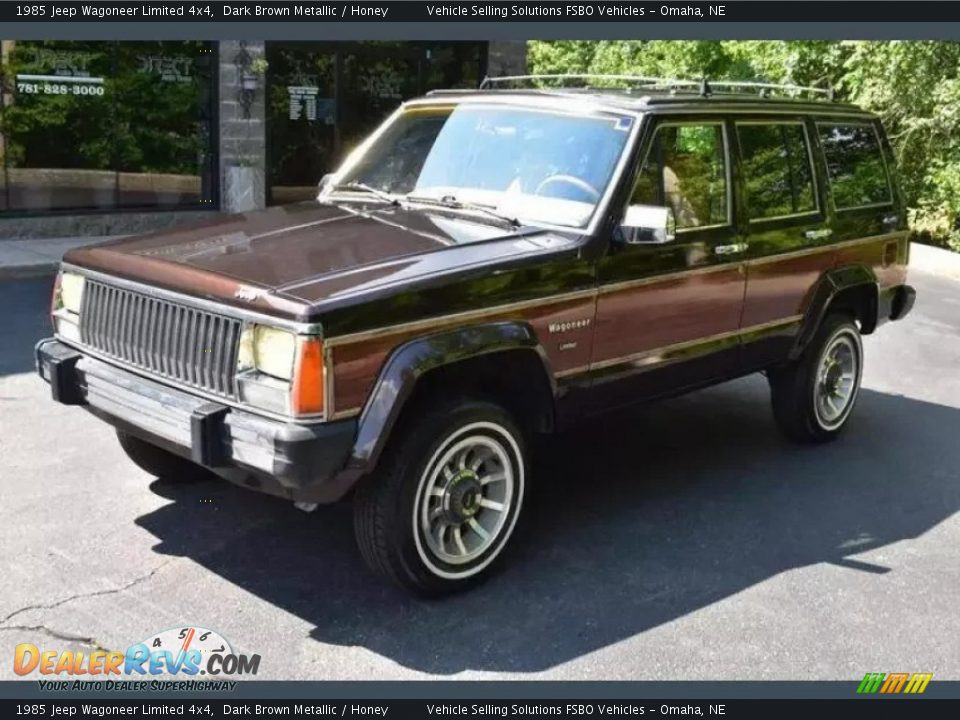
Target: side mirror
pixel 647 225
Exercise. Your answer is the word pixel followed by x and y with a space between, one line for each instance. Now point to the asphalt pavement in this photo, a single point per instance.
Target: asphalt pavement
pixel 684 540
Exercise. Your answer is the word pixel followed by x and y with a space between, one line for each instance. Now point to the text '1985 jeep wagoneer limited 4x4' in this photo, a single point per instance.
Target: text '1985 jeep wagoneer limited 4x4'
pixel 490 265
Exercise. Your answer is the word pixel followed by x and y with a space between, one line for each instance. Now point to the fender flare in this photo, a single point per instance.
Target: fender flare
pixel 830 285
pixel 409 362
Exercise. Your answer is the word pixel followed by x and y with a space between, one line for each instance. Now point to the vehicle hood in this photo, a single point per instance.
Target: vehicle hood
pixel 287 257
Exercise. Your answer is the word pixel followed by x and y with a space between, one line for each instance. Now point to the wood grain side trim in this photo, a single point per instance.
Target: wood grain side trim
pixel 667 350
pixel 500 311
pixel 445 321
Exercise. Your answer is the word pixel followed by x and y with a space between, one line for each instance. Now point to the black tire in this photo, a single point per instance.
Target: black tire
pixel 416 492
pixel 158 462
pixel 803 401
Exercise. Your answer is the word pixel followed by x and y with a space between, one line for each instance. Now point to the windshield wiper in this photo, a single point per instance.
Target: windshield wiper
pixel 451 202
pixel 363 187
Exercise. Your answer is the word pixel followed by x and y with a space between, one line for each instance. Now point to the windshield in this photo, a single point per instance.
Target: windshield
pixel 541 166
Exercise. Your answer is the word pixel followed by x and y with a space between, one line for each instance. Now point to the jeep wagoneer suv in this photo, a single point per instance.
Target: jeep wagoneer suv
pixel 487 266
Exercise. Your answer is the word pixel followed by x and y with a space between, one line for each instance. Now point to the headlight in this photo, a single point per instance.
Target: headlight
pixel 290 370
pixel 68 292
pixel 65 305
pixel 268 349
pixel 273 351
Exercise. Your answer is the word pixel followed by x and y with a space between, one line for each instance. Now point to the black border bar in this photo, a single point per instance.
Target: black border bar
pixel 447 11
pixel 476 708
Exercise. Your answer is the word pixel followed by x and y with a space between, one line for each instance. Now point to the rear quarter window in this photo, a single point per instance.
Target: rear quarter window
pixel 855 166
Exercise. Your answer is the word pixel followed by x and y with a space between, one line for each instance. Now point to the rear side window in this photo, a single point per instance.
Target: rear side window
pixel 777 172
pixel 855 166
pixel 686 170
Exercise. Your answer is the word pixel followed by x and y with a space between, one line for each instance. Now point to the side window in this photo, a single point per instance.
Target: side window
pixel 855 165
pixel 686 170
pixel 777 175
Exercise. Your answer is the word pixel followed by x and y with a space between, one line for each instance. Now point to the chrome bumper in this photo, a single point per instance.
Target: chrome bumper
pixel 306 460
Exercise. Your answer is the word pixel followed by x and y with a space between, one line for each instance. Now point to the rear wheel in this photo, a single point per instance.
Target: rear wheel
pixel 814 396
pixel 442 511
pixel 158 462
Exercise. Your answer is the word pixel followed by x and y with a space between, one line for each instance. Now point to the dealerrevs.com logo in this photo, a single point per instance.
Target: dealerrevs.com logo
pixel 186 652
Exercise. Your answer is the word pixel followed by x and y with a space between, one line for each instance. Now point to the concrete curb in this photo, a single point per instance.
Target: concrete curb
pixel 938 261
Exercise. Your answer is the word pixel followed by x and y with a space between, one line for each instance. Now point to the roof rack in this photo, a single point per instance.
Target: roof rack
pixel 702 87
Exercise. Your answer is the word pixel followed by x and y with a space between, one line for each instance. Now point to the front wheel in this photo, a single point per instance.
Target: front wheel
pixel 814 396
pixel 442 511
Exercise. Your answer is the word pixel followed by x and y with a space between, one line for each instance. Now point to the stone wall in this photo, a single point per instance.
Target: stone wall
pixel 95 224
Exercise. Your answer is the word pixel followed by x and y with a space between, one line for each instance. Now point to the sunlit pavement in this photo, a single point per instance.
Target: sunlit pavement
pixel 682 541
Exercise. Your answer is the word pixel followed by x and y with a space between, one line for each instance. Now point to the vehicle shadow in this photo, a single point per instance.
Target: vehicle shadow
pixel 637 520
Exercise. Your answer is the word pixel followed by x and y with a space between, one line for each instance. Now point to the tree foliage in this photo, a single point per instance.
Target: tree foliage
pixel 914 86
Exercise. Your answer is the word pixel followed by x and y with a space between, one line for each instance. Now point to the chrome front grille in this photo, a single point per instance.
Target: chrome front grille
pixel 189 346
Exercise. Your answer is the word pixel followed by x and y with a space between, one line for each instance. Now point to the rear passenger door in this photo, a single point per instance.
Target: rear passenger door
pixel 668 314
pixel 786 228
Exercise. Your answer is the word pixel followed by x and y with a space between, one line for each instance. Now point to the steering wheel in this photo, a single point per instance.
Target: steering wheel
pixel 578 183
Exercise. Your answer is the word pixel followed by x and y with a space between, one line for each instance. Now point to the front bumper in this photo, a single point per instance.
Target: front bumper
pixel 302 462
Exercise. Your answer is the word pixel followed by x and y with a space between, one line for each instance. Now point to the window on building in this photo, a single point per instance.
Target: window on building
pixel 163 120
pixel 324 99
pixel 101 125
pixel 685 169
pixel 58 139
pixel 776 169
pixel 855 166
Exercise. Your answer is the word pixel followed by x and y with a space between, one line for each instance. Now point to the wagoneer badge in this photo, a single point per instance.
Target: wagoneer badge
pixel 560 327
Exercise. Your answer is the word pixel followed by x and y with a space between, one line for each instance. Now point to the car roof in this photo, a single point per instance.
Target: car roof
pixel 645 100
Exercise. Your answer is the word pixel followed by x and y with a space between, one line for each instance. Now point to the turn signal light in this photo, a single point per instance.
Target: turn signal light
pixel 306 396
pixel 55 303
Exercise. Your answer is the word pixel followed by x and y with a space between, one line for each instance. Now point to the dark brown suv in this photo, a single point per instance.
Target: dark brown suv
pixel 487 266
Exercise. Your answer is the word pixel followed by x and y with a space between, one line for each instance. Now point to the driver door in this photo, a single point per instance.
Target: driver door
pixel 668 313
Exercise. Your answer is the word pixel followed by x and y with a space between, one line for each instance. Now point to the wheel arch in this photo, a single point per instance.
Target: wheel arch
pixel 503 359
pixel 854 289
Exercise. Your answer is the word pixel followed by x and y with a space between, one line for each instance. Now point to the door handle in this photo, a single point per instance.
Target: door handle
pixel 821 234
pixel 731 249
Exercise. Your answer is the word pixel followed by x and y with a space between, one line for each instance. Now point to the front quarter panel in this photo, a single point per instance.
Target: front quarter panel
pixel 417 357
